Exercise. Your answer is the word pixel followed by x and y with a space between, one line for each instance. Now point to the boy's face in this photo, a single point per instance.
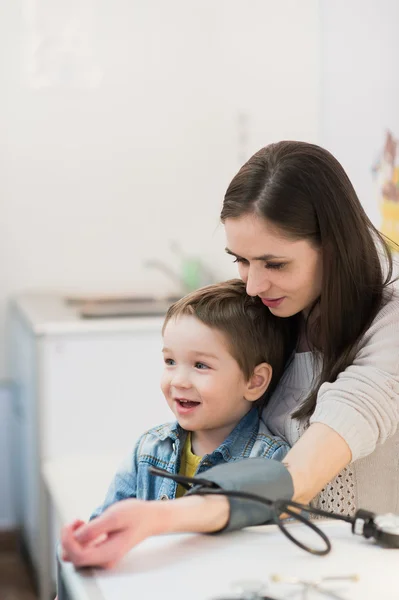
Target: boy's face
pixel 202 382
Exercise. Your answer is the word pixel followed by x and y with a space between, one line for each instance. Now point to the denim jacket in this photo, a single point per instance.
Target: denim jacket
pixel 162 447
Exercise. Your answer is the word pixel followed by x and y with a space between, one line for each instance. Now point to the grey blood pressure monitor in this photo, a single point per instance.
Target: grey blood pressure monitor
pixel 383 529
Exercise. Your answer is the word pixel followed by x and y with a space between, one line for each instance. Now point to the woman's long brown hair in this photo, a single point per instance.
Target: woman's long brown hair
pixel 304 191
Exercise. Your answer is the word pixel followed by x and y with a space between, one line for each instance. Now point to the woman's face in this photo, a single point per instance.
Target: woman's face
pixel 285 274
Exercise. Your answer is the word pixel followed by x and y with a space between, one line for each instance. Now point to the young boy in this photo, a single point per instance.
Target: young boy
pixel 223 354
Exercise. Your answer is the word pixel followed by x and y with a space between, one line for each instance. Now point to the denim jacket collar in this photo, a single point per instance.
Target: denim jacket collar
pixel 237 445
pixel 162 447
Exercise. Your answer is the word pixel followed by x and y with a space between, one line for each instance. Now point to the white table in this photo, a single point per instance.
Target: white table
pixel 199 567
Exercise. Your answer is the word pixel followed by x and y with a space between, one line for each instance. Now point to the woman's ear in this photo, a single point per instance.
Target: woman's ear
pixel 258 382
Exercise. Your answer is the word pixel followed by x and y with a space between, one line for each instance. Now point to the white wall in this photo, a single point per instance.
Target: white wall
pixel 360 86
pixel 122 123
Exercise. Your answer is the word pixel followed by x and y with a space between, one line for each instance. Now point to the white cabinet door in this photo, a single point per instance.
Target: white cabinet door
pixel 7 504
pixel 99 393
pixel 25 439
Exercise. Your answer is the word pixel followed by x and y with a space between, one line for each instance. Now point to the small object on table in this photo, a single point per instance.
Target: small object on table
pixel 248 590
pixel 316 585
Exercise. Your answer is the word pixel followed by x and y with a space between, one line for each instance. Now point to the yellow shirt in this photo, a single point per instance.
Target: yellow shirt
pixel 188 464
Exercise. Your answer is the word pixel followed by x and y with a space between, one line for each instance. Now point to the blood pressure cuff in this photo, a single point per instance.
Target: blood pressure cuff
pixel 262 476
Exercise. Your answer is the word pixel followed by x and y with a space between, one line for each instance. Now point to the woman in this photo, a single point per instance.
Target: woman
pixel 304 244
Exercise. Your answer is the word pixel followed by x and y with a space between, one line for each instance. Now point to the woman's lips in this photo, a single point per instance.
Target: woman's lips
pixel 272 302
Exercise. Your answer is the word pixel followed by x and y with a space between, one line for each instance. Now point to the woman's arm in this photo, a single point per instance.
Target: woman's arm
pixel 362 404
pixel 315 459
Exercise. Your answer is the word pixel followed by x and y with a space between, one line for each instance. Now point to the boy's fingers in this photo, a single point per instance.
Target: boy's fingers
pixel 100 539
pixel 70 547
pixel 105 555
pixel 67 530
pixel 101 526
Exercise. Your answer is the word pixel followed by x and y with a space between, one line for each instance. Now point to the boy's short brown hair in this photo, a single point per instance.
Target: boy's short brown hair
pixel 253 334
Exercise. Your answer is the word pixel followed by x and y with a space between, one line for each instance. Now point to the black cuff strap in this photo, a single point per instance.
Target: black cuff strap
pixel 263 477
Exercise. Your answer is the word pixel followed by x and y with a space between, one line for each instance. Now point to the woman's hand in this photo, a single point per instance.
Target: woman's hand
pixel 106 539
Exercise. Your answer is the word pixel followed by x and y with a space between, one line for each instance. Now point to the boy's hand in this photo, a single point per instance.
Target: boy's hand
pixel 67 538
pixel 106 539
pixel 103 541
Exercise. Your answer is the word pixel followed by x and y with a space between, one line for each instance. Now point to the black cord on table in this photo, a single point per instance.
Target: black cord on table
pixel 204 487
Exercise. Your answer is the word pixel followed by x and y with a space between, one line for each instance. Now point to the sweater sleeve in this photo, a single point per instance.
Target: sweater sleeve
pixel 362 405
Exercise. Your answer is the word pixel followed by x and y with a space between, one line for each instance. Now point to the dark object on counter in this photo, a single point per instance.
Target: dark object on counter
pixel 155 308
pixel 108 307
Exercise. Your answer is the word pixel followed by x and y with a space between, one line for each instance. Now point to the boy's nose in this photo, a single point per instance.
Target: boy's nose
pixel 181 380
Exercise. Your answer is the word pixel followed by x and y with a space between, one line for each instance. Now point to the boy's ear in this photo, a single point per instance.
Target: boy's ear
pixel 258 382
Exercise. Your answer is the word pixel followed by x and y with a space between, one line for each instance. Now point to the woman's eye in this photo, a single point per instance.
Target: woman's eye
pixel 169 361
pixel 239 260
pixel 200 365
pixel 275 266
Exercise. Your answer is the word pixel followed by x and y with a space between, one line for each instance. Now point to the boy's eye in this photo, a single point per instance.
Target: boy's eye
pixel 200 365
pixel 169 361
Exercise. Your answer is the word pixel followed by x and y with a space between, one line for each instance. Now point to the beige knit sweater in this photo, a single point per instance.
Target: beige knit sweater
pixel 362 405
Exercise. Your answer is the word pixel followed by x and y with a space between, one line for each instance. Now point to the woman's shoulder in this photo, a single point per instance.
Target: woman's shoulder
pixel 390 298
pixel 383 334
pixel 389 310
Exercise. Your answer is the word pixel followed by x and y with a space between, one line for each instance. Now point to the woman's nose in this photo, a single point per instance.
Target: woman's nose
pixel 256 285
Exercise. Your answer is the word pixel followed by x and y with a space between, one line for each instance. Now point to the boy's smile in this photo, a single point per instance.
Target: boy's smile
pixel 202 382
pixel 184 406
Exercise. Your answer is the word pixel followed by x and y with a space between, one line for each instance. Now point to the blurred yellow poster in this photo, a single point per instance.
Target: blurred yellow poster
pixel 387 171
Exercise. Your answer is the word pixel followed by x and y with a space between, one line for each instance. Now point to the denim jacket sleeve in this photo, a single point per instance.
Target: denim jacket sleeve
pixel 269 446
pixel 124 483
pixel 280 452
